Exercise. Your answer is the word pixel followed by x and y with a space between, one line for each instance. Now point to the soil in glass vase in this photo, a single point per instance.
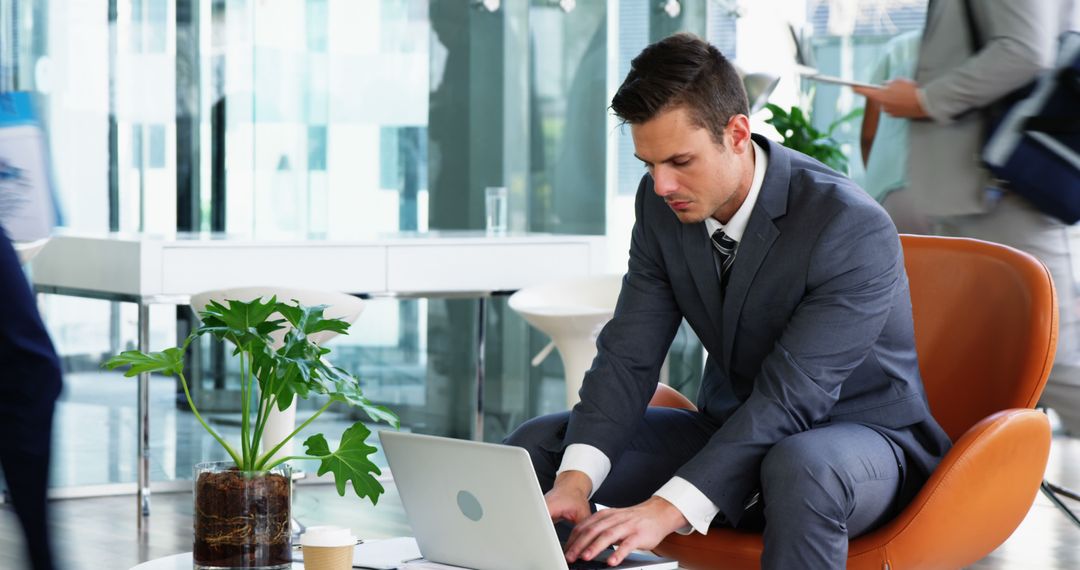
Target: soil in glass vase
pixel 241 519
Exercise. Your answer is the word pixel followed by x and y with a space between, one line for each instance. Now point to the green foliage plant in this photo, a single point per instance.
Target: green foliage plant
pixel 799 133
pixel 294 370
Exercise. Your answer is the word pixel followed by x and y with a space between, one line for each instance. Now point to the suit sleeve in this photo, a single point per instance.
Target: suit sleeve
pixel 631 347
pixel 853 273
pixel 1019 40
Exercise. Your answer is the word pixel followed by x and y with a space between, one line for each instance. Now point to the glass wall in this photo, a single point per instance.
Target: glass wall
pixel 852 39
pixel 292 118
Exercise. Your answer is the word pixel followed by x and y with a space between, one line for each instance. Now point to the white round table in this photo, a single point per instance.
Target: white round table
pixel 180 562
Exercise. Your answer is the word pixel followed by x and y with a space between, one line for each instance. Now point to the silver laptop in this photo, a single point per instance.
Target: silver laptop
pixel 479 505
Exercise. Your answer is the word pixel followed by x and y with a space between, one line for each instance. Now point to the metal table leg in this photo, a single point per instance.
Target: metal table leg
pixel 478 426
pixel 143 412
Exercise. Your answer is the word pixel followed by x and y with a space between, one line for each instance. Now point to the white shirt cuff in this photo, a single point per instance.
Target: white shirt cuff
pixel 587 459
pixel 691 502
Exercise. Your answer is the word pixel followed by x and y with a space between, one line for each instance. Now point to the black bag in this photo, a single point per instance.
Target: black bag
pixel 1033 134
pixel 1036 145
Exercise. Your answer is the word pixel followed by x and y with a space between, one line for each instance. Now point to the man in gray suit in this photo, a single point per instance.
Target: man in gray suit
pixel 959 74
pixel 812 419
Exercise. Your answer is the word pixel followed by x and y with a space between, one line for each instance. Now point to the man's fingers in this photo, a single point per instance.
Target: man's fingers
pixel 876 94
pixel 594 535
pixel 562 508
pixel 628 544
pixel 610 536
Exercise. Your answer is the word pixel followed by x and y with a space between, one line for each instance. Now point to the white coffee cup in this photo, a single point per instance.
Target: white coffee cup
pixel 328 548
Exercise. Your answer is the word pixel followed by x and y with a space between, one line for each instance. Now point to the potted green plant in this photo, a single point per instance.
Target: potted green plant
pixel 798 133
pixel 242 509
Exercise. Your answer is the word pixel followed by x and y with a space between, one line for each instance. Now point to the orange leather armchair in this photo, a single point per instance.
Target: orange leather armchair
pixel 985 331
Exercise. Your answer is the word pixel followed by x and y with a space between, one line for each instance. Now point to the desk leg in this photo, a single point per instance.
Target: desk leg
pixel 478 426
pixel 143 412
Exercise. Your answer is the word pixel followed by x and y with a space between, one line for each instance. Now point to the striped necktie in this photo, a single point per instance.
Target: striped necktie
pixel 725 251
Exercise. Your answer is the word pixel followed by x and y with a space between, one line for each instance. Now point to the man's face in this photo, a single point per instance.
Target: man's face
pixel 697 177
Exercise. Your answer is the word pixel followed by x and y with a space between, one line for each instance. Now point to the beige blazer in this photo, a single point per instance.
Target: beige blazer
pixel 1020 41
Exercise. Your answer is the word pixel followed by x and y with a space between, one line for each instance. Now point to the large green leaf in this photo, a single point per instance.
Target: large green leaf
pixel 310 320
pixel 169 361
pixel 347 389
pixel 246 324
pixel 798 133
pixel 379 413
pixel 350 462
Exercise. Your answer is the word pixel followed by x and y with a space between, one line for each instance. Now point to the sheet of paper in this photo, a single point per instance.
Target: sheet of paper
pixel 387 553
pixel 26 210
pixel 841 81
pixel 425 565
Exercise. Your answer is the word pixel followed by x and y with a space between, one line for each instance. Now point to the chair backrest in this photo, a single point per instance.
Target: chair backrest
pixel 339 305
pixel 985 326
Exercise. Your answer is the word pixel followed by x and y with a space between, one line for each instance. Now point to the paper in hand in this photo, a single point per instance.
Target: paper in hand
pixel 840 81
pixel 26 206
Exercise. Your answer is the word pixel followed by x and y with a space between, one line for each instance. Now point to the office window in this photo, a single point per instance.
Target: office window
pixel 324 118
pixel 848 40
pixel 317 147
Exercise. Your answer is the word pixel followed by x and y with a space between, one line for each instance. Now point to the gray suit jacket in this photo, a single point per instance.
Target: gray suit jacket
pixel 1019 38
pixel 814 327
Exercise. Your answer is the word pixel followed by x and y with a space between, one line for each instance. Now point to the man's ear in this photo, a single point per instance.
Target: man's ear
pixel 737 132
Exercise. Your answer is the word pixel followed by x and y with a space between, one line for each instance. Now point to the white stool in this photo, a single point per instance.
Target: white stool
pixel 572 313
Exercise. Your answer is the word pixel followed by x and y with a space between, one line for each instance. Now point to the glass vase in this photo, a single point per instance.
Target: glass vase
pixel 242 518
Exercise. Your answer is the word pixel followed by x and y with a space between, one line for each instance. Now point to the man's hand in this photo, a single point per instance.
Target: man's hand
pixel 897 98
pixel 642 526
pixel 568 499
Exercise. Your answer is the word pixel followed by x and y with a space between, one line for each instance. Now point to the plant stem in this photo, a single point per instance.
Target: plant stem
pixel 191 404
pixel 262 417
pixel 245 408
pixel 262 460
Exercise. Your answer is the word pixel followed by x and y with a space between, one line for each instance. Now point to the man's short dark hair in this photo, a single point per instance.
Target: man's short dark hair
pixel 682 70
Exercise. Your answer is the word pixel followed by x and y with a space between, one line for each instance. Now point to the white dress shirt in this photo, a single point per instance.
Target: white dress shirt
pixel 691 502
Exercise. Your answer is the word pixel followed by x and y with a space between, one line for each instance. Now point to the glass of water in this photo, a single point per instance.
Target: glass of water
pixel 496 209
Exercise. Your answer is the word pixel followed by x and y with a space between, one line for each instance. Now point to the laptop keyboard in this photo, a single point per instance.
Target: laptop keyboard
pixel 588 565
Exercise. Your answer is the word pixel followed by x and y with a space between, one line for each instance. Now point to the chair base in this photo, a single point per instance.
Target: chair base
pixel 1052 491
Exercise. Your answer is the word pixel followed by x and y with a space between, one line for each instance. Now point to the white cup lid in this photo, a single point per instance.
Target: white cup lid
pixel 327 536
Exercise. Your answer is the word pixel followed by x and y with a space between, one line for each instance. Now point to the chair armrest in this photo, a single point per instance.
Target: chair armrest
pixel 668 397
pixel 975 498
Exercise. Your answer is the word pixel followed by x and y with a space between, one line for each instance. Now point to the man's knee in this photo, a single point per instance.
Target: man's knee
pixel 793 473
pixel 539 432
pixel 542 437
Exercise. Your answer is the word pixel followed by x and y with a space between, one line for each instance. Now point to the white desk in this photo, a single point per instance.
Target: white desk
pixel 169 269
pixel 146 269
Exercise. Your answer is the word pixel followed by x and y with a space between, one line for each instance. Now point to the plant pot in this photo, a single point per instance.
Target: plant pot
pixel 242 518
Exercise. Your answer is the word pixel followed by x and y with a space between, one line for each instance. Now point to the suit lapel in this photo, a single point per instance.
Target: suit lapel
pixel 758 239
pixel 761 232
pixel 699 258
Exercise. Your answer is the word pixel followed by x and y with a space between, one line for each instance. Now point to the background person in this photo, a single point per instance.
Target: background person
pixel 30 382
pixel 953 82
